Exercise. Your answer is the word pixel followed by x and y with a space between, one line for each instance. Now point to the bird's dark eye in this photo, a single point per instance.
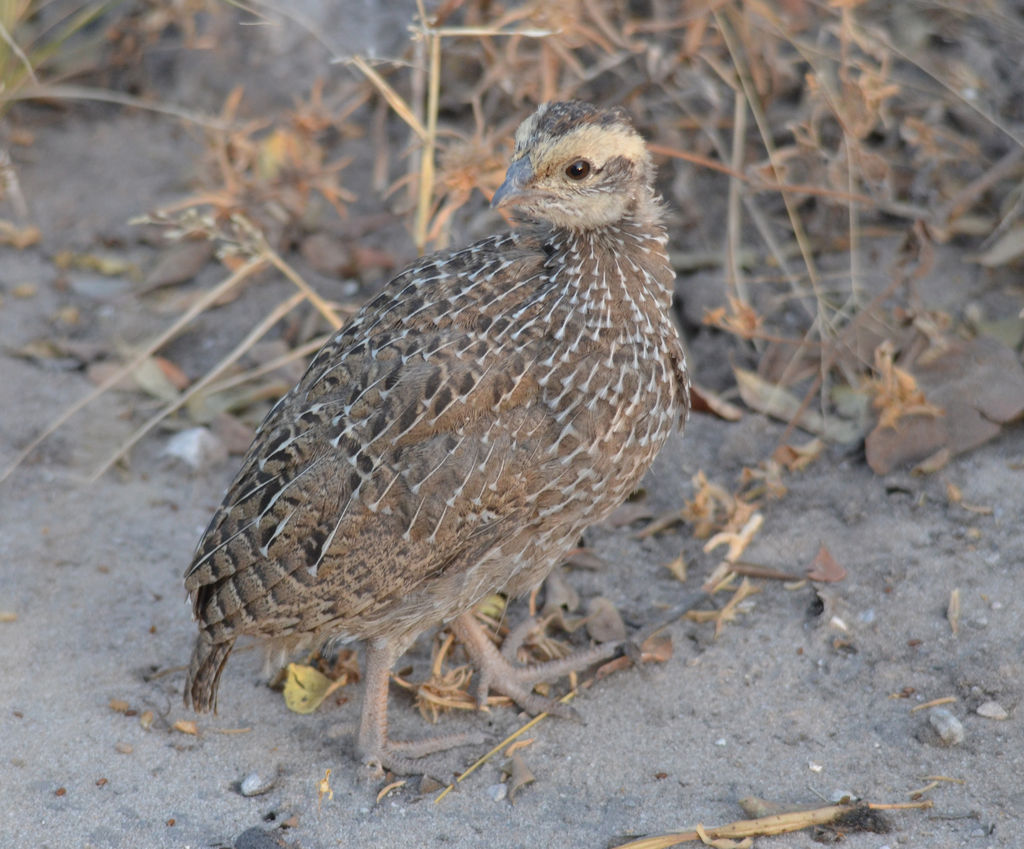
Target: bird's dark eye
pixel 578 169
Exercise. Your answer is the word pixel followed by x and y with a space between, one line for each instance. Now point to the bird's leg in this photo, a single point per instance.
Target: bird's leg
pixel 498 672
pixel 373 747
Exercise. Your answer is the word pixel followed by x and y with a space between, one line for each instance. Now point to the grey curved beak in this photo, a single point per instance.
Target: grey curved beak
pixel 514 188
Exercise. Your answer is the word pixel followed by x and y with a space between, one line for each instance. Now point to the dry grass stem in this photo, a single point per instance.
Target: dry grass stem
pixel 855 816
pixel 254 335
pixel 201 304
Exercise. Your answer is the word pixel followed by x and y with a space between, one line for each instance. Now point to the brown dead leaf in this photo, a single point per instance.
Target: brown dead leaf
pixel 916 437
pixel 657 648
pixel 825 568
pixel 179 263
pixel 428 784
pixel 175 376
pixel 519 776
pixel 978 383
pixel 704 400
pixel 935 463
pixel 604 622
pixel 236 435
pixel 326 254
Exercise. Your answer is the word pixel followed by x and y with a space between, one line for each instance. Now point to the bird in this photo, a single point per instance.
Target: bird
pixel 459 433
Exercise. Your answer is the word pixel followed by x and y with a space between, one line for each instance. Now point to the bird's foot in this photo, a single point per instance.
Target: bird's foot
pixel 499 672
pixel 412 757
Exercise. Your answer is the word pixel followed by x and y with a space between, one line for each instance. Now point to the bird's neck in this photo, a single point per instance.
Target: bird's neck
pixel 632 248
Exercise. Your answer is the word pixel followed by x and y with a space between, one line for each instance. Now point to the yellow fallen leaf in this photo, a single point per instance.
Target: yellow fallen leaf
pixel 493 606
pixel 305 688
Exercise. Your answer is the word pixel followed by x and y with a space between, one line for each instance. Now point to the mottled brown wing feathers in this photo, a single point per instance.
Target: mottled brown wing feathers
pixel 345 499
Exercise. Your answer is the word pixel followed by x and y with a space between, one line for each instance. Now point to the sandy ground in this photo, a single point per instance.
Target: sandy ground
pixel 785 704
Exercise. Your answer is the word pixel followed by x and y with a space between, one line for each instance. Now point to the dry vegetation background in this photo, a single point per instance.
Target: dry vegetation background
pixel 820 161
pixel 816 157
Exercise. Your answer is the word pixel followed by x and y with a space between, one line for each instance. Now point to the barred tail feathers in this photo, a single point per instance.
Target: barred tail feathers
pixel 208 659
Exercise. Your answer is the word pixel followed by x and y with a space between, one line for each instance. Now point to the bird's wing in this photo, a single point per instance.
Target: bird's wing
pixel 406 452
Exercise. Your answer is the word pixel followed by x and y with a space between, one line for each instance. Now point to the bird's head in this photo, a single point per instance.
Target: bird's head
pixel 578 166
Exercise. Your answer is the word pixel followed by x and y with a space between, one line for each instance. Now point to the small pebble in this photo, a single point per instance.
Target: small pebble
pixel 837 797
pixel 721 741
pixel 197 447
pixel 497 792
pixel 947 726
pixel 992 710
pixel 255 785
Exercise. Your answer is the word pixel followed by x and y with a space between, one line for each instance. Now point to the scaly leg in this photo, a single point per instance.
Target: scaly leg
pixel 373 747
pixel 498 672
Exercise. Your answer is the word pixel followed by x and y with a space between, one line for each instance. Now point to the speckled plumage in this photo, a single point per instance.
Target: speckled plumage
pixel 460 432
